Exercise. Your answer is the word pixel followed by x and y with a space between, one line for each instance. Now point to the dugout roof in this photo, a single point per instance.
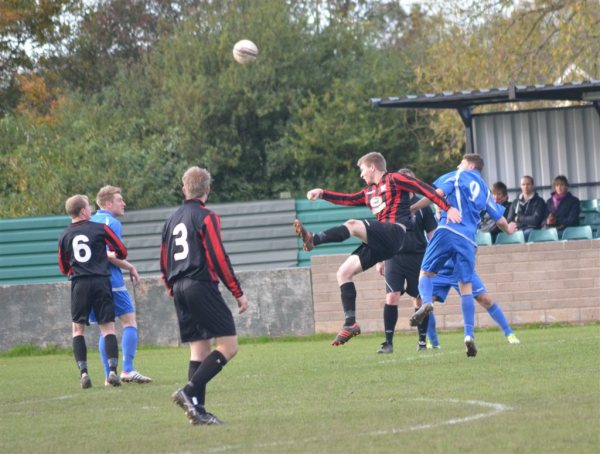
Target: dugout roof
pixel 588 90
pixel 465 101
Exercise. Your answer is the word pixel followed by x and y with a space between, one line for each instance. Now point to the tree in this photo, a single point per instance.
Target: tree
pixel 494 43
pixel 113 34
pixel 292 120
pixel 29 30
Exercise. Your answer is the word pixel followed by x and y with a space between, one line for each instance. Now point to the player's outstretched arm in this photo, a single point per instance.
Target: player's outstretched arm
pixel 314 194
pixel 422 203
pixel 505 226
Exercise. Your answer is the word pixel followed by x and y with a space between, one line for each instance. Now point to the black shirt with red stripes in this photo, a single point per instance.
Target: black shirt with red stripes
pixel 387 199
pixel 192 247
pixel 82 249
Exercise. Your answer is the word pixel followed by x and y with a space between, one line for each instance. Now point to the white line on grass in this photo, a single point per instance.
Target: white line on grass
pixel 492 407
pixel 37 401
pixel 496 408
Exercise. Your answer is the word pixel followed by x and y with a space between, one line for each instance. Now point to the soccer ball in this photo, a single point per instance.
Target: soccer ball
pixel 245 51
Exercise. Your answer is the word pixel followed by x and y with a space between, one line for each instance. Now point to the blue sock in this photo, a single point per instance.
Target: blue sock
pixel 467 303
pixel 496 313
pixel 426 289
pixel 431 331
pixel 129 347
pixel 103 358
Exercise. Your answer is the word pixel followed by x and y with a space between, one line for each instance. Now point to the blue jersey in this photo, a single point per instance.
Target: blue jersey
pixel 466 191
pixel 116 275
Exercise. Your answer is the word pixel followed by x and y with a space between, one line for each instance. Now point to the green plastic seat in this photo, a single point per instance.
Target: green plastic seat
pixel 543 235
pixel 582 232
pixel 515 238
pixel 590 205
pixel 484 238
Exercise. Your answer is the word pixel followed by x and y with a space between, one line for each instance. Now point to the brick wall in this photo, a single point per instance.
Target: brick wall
pixel 533 283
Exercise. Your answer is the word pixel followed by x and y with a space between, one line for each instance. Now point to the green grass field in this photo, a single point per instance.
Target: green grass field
pixel 302 395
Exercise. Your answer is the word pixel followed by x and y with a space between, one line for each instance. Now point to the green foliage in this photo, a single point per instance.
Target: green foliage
pixel 28 185
pixel 150 88
pixel 29 31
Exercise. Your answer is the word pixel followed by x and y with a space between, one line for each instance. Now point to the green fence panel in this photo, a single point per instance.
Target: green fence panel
pixel 29 249
pixel 321 215
pixel 256 234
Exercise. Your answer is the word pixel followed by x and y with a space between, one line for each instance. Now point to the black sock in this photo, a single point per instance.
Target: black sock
pixel 112 351
pixel 192 368
pixel 332 235
pixel 80 353
pixel 210 367
pixel 200 397
pixel 349 302
pixel 390 317
pixel 422 328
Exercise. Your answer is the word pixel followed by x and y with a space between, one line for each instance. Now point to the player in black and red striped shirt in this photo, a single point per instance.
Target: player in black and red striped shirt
pixel 386 194
pixel 82 256
pixel 192 261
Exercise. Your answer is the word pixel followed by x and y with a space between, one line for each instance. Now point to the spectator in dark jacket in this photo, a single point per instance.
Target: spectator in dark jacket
pixel 500 194
pixel 528 210
pixel 563 207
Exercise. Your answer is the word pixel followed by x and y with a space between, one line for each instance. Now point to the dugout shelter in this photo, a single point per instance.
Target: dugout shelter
pixel 541 142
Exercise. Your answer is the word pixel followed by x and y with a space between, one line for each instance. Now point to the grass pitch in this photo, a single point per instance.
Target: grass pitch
pixel 302 395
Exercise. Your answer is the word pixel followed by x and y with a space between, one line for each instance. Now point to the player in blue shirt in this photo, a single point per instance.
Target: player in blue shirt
pixel 465 190
pixel 111 204
pixel 445 280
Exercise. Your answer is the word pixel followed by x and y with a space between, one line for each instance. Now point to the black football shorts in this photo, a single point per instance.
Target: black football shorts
pixel 384 241
pixel 201 310
pixel 402 274
pixel 92 292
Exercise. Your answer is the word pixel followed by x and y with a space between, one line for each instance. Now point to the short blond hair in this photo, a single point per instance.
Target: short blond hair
pixel 106 194
pixel 75 204
pixel 196 182
pixel 375 159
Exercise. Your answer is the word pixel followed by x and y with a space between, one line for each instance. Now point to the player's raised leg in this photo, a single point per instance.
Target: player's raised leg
pixel 311 240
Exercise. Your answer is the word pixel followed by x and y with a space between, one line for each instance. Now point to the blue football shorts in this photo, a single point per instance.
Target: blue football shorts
pixel 443 282
pixel 123 305
pixel 445 245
